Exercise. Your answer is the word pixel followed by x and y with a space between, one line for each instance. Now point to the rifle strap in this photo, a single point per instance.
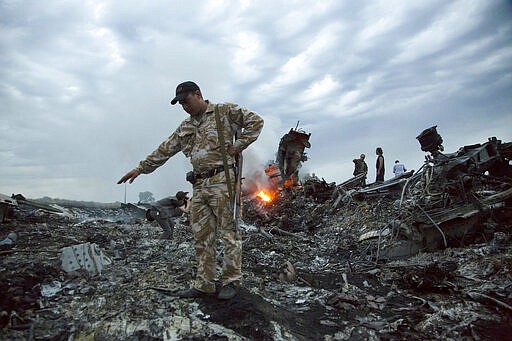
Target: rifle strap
pixel 237 202
pixel 223 151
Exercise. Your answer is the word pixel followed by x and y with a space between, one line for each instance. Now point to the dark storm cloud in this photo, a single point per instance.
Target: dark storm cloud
pixel 84 86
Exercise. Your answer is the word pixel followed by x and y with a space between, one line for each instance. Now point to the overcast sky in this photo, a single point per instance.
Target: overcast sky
pixel 85 85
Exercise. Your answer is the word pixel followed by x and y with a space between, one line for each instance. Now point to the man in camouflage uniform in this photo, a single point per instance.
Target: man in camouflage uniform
pixel 360 167
pixel 211 212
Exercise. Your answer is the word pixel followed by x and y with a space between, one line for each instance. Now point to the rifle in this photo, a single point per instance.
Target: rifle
pixel 223 150
pixel 237 195
pixel 237 200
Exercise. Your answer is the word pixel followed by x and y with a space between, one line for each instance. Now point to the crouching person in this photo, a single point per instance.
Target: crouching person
pixel 165 210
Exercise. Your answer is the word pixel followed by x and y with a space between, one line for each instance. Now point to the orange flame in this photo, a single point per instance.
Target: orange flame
pixel 288 183
pixel 264 196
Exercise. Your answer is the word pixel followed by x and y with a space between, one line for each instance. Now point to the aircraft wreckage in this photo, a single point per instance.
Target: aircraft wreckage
pixel 308 272
pixel 284 171
pixel 448 200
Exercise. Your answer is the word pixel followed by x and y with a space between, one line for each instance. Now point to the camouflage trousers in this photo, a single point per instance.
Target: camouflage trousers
pixel 211 217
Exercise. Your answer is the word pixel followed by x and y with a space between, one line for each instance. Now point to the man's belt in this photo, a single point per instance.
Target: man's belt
pixel 211 172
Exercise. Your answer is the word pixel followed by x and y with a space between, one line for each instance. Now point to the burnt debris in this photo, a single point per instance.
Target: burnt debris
pixel 290 156
pixel 453 200
pixel 426 256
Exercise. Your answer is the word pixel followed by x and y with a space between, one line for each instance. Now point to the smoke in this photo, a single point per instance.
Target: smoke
pixel 254 181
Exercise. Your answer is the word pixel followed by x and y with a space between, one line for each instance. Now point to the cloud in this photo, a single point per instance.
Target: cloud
pixel 247 53
pixel 85 87
pixel 321 88
pixel 458 19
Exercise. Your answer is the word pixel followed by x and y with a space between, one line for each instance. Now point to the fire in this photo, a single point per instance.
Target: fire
pixel 292 183
pixel 264 196
pixel 288 184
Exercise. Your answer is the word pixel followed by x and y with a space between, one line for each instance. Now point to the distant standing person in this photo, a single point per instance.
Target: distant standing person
pixel 360 167
pixel 399 168
pixel 379 165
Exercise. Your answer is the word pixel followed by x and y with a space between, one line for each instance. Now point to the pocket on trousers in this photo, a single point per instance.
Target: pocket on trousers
pixel 201 233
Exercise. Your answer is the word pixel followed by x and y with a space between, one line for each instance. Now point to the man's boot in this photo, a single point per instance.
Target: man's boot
pixel 229 291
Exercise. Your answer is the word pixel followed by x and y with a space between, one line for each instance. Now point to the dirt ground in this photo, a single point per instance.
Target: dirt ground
pixel 306 277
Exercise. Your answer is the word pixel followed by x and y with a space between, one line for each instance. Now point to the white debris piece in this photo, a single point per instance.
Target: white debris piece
pixel 85 256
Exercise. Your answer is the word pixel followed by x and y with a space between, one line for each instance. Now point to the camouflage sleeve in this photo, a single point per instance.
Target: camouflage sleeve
pixel 251 123
pixel 164 152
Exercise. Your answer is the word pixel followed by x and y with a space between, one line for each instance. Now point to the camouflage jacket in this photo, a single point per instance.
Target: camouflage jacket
pixel 360 167
pixel 197 138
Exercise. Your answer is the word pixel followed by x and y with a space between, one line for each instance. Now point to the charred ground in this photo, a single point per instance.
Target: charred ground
pixel 306 277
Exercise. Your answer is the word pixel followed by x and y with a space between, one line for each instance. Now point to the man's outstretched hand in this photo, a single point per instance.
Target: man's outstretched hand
pixel 131 175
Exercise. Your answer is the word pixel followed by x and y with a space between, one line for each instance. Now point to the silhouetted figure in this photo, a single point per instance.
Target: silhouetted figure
pixel 379 165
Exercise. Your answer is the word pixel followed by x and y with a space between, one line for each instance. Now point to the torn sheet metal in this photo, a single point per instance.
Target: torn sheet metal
pixel 274 174
pixel 353 182
pixel 450 200
pixel 392 186
pixel 87 256
pixel 290 153
pixel 22 201
pixel 5 203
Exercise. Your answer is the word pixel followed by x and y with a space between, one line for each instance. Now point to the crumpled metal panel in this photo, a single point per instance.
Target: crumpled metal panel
pixel 290 153
pixel 86 256
pixel 448 201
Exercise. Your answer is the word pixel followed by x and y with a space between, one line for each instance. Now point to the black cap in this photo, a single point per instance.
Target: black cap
pixel 182 91
pixel 180 195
